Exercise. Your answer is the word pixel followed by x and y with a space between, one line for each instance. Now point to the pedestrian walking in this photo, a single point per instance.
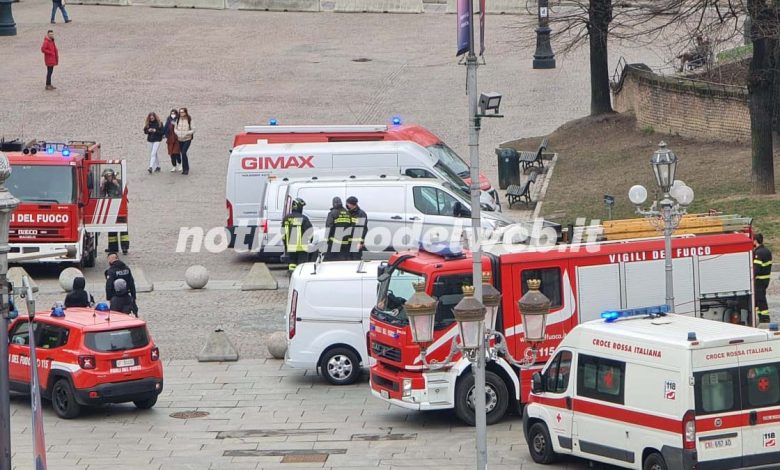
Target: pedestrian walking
pixel 359 228
pixel 122 301
pixel 297 235
pixel 174 151
pixel 153 128
pixel 51 56
pixel 762 269
pixel 184 132
pixel 78 296
pixel 59 4
pixel 117 269
pixel 339 225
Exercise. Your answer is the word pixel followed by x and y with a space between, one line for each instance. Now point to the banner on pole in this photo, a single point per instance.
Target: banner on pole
pixel 464 16
pixel 481 27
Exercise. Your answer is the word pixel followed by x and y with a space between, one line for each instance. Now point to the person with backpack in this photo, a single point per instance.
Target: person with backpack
pixel 122 301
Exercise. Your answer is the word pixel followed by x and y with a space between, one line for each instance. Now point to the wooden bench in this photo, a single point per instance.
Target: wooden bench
pixel 517 193
pixel 529 159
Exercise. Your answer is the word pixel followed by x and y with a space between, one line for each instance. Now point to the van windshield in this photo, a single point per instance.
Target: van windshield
pixel 451 159
pixel 456 182
pixel 43 183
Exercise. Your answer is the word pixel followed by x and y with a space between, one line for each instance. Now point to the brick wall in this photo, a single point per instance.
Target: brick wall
pixel 676 105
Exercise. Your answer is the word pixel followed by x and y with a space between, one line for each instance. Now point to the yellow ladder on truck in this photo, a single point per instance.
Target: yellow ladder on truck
pixel 695 224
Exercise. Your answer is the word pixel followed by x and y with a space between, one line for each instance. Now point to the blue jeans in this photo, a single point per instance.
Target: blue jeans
pixel 54 5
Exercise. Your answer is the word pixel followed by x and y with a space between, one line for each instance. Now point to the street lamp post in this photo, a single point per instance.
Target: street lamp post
pixel 544 58
pixel 7 204
pixel 7 23
pixel 673 206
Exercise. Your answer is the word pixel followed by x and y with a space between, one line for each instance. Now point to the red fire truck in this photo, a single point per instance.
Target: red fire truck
pixel 712 279
pixel 68 196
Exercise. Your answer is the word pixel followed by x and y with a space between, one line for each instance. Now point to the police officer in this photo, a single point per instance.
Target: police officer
pixel 359 228
pixel 297 235
pixel 762 268
pixel 118 270
pixel 339 225
pixel 111 187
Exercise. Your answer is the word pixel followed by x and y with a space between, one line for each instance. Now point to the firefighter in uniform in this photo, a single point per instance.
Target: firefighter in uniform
pixel 339 225
pixel 762 268
pixel 297 235
pixel 359 228
pixel 111 187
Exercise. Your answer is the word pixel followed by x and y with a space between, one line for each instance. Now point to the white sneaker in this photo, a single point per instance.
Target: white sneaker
pixel 174 169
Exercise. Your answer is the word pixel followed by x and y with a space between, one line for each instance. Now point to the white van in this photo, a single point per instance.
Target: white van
pixel 252 166
pixel 659 392
pixel 328 310
pixel 401 210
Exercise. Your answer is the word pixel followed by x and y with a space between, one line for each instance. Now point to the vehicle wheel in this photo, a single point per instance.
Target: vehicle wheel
pixel 146 404
pixel 63 400
pixel 655 461
pixel 540 444
pixel 340 366
pixel 496 398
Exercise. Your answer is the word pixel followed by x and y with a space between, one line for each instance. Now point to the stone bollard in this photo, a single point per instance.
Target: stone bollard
pixel 67 276
pixel 196 276
pixel 277 344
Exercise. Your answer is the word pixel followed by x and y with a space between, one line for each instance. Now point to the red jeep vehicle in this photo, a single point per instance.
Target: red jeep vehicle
pixel 86 357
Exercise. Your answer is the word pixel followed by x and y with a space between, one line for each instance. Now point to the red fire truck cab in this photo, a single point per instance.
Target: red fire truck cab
pixel 712 279
pixel 67 196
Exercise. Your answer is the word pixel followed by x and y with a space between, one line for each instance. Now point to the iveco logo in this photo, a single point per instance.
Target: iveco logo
pixel 718 422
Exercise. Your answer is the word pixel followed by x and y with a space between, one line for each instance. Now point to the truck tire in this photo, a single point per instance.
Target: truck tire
pixel 655 461
pixel 63 400
pixel 496 399
pixel 340 366
pixel 540 444
pixel 146 404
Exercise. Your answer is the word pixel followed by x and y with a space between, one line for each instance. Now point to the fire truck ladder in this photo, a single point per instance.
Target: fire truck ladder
pixel 690 224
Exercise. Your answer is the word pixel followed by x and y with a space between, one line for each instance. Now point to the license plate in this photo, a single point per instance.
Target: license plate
pixel 718 444
pixel 384 394
pixel 125 362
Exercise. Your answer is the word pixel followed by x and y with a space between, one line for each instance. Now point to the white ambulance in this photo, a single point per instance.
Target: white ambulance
pixel 658 392
pixel 253 166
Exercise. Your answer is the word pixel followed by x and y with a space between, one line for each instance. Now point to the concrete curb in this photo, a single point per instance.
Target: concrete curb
pixel 276 5
pixel 543 191
pixel 204 4
pixel 114 3
pixel 259 278
pixel 378 6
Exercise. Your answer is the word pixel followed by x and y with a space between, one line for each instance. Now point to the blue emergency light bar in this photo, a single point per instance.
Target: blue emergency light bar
pixel 65 151
pixel 272 122
pixel 657 310
pixel 396 120
pixel 447 249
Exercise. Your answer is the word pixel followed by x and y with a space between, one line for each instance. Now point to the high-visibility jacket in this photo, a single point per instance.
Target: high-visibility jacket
pixel 296 225
pixel 339 218
pixel 359 222
pixel 762 263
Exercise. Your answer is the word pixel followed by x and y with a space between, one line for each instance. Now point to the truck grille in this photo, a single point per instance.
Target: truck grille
pixel 384 383
pixel 388 352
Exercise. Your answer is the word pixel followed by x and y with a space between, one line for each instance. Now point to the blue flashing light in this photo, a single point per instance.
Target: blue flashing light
pixel 610 316
pixel 447 249
pixel 49 149
pixel 65 151
pixel 57 312
pixel 102 307
pixel 272 122
pixel 396 120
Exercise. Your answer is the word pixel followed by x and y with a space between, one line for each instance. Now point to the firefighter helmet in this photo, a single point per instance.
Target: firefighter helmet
pixel 108 172
pixel 298 204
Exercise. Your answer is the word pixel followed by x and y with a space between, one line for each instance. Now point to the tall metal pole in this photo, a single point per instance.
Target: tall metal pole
pixel 476 226
pixel 666 206
pixel 7 23
pixel 7 204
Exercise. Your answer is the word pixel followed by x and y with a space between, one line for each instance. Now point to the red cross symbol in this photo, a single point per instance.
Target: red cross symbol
pixel 558 418
pixel 763 384
pixel 608 379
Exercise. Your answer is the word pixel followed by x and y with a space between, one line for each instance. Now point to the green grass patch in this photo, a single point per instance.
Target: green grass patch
pixel 736 53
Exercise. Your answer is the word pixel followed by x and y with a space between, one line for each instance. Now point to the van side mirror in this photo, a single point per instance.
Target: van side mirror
pixel 536 383
pixel 381 269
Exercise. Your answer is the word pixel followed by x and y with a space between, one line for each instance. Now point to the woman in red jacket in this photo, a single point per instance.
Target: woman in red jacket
pixel 51 57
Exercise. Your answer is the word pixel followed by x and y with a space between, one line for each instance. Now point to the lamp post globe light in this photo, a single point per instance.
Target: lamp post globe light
pixel 676 197
pixel 491 299
pixel 470 315
pixel 421 310
pixel 7 205
pixel 534 307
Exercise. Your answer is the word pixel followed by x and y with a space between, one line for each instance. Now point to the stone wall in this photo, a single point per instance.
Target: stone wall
pixel 683 106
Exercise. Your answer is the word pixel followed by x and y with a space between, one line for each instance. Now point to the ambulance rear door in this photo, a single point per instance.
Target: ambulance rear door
pixel 104 195
pixel 759 376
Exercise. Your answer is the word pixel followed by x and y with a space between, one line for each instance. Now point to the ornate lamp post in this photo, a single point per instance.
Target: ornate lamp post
pixel 7 24
pixel 491 298
pixel 421 310
pixel 673 206
pixel 534 307
pixel 544 58
pixel 7 205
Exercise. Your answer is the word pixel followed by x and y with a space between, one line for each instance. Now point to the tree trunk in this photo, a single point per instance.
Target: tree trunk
pixel 599 17
pixel 761 100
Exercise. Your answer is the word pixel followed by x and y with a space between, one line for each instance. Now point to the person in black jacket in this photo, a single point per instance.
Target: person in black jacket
pixel 339 225
pixel 762 270
pixel 357 238
pixel 118 270
pixel 122 301
pixel 297 235
pixel 154 130
pixel 78 296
